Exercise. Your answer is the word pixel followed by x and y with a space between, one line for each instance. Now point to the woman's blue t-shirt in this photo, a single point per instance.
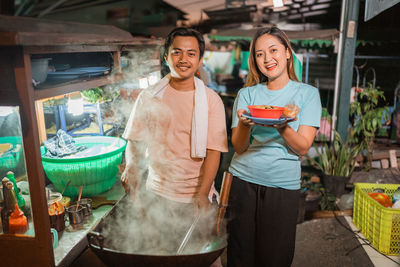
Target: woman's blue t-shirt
pixel 269 161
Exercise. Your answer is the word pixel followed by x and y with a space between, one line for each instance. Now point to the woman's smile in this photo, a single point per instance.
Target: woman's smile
pixel 270 67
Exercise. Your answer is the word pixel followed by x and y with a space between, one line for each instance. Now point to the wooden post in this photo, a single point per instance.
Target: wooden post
pixel 40 121
pixel 346 68
pixel 117 61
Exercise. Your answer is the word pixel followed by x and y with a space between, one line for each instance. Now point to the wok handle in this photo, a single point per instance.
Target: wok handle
pixel 92 236
pixel 224 198
pixel 225 189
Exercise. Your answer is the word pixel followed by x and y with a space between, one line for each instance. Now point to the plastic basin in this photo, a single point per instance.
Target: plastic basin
pixel 96 173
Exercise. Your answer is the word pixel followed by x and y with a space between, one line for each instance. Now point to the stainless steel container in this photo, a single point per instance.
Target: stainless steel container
pixel 75 216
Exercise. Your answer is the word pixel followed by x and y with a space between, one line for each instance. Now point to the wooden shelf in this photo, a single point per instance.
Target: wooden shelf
pixel 50 89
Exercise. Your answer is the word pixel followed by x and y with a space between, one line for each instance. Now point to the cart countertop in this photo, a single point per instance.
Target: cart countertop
pixel 72 243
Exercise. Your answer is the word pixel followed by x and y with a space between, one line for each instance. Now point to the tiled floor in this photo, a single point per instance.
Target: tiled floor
pixel 377 258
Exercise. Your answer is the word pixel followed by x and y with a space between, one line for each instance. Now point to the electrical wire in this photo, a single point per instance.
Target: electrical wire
pixel 366 241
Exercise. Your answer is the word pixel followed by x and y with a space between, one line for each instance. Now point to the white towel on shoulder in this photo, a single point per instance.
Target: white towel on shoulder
pixel 199 131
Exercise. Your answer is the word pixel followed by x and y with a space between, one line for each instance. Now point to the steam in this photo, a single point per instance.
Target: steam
pixel 159 229
pixel 140 71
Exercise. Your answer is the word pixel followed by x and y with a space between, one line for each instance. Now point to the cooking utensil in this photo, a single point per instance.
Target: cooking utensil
pixel 79 197
pixel 86 203
pixel 75 216
pixel 98 201
pixel 225 190
pixel 62 193
pixel 188 234
pixel 111 255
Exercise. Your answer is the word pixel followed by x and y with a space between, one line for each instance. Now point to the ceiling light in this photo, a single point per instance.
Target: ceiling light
pixel 277 3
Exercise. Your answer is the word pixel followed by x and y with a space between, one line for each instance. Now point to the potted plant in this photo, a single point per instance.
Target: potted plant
pixel 336 161
pixel 367 118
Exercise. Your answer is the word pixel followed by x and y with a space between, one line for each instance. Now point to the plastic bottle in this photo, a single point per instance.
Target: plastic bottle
pixel 20 200
pixel 396 195
pixel 8 204
pixel 17 222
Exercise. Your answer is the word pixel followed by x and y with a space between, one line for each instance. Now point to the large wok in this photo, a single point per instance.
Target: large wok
pixel 112 256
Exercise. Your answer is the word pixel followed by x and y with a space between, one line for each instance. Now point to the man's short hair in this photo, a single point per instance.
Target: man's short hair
pixel 180 31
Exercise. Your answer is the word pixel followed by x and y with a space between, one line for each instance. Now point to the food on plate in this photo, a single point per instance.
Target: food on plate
pixel 290 110
pixel 267 107
pixel 265 111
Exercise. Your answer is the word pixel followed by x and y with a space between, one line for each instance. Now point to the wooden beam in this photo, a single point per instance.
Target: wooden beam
pixel 383 155
pixel 70 49
pixel 72 86
pixel 117 62
pixel 40 121
pixel 42 255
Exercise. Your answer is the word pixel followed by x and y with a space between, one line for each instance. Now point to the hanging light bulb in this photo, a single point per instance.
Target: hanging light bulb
pixel 277 3
pixel 153 79
pixel 75 106
pixel 143 83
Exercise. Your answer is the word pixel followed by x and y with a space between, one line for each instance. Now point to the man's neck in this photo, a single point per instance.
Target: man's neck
pixel 182 84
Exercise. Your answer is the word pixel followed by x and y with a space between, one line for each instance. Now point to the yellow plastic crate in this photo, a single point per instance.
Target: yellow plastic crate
pixel 380 225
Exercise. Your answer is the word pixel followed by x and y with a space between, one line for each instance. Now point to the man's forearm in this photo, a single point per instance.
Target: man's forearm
pixel 209 171
pixel 133 154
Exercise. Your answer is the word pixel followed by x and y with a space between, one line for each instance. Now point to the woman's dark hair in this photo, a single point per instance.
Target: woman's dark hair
pixel 180 31
pixel 255 75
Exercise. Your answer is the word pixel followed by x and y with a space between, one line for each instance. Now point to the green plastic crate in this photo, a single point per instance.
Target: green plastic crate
pixel 96 173
pixel 10 161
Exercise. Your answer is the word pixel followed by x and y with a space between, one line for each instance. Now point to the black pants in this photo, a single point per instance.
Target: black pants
pixel 262 226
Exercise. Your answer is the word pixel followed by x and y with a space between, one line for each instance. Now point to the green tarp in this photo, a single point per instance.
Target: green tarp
pixel 297 42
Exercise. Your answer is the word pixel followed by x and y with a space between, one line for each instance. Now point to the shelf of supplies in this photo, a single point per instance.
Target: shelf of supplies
pixel 54 88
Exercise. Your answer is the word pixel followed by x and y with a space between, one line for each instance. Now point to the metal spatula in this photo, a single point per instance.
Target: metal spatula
pixel 188 234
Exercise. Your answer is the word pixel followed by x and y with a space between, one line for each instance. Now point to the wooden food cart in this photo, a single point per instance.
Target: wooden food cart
pixel 21 39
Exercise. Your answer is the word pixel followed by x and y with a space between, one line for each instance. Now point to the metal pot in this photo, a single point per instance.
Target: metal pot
pixel 112 256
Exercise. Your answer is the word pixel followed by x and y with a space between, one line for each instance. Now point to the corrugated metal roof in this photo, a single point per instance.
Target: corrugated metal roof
pixel 194 7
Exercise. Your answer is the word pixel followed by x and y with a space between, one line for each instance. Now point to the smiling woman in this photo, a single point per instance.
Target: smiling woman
pixel 266 166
